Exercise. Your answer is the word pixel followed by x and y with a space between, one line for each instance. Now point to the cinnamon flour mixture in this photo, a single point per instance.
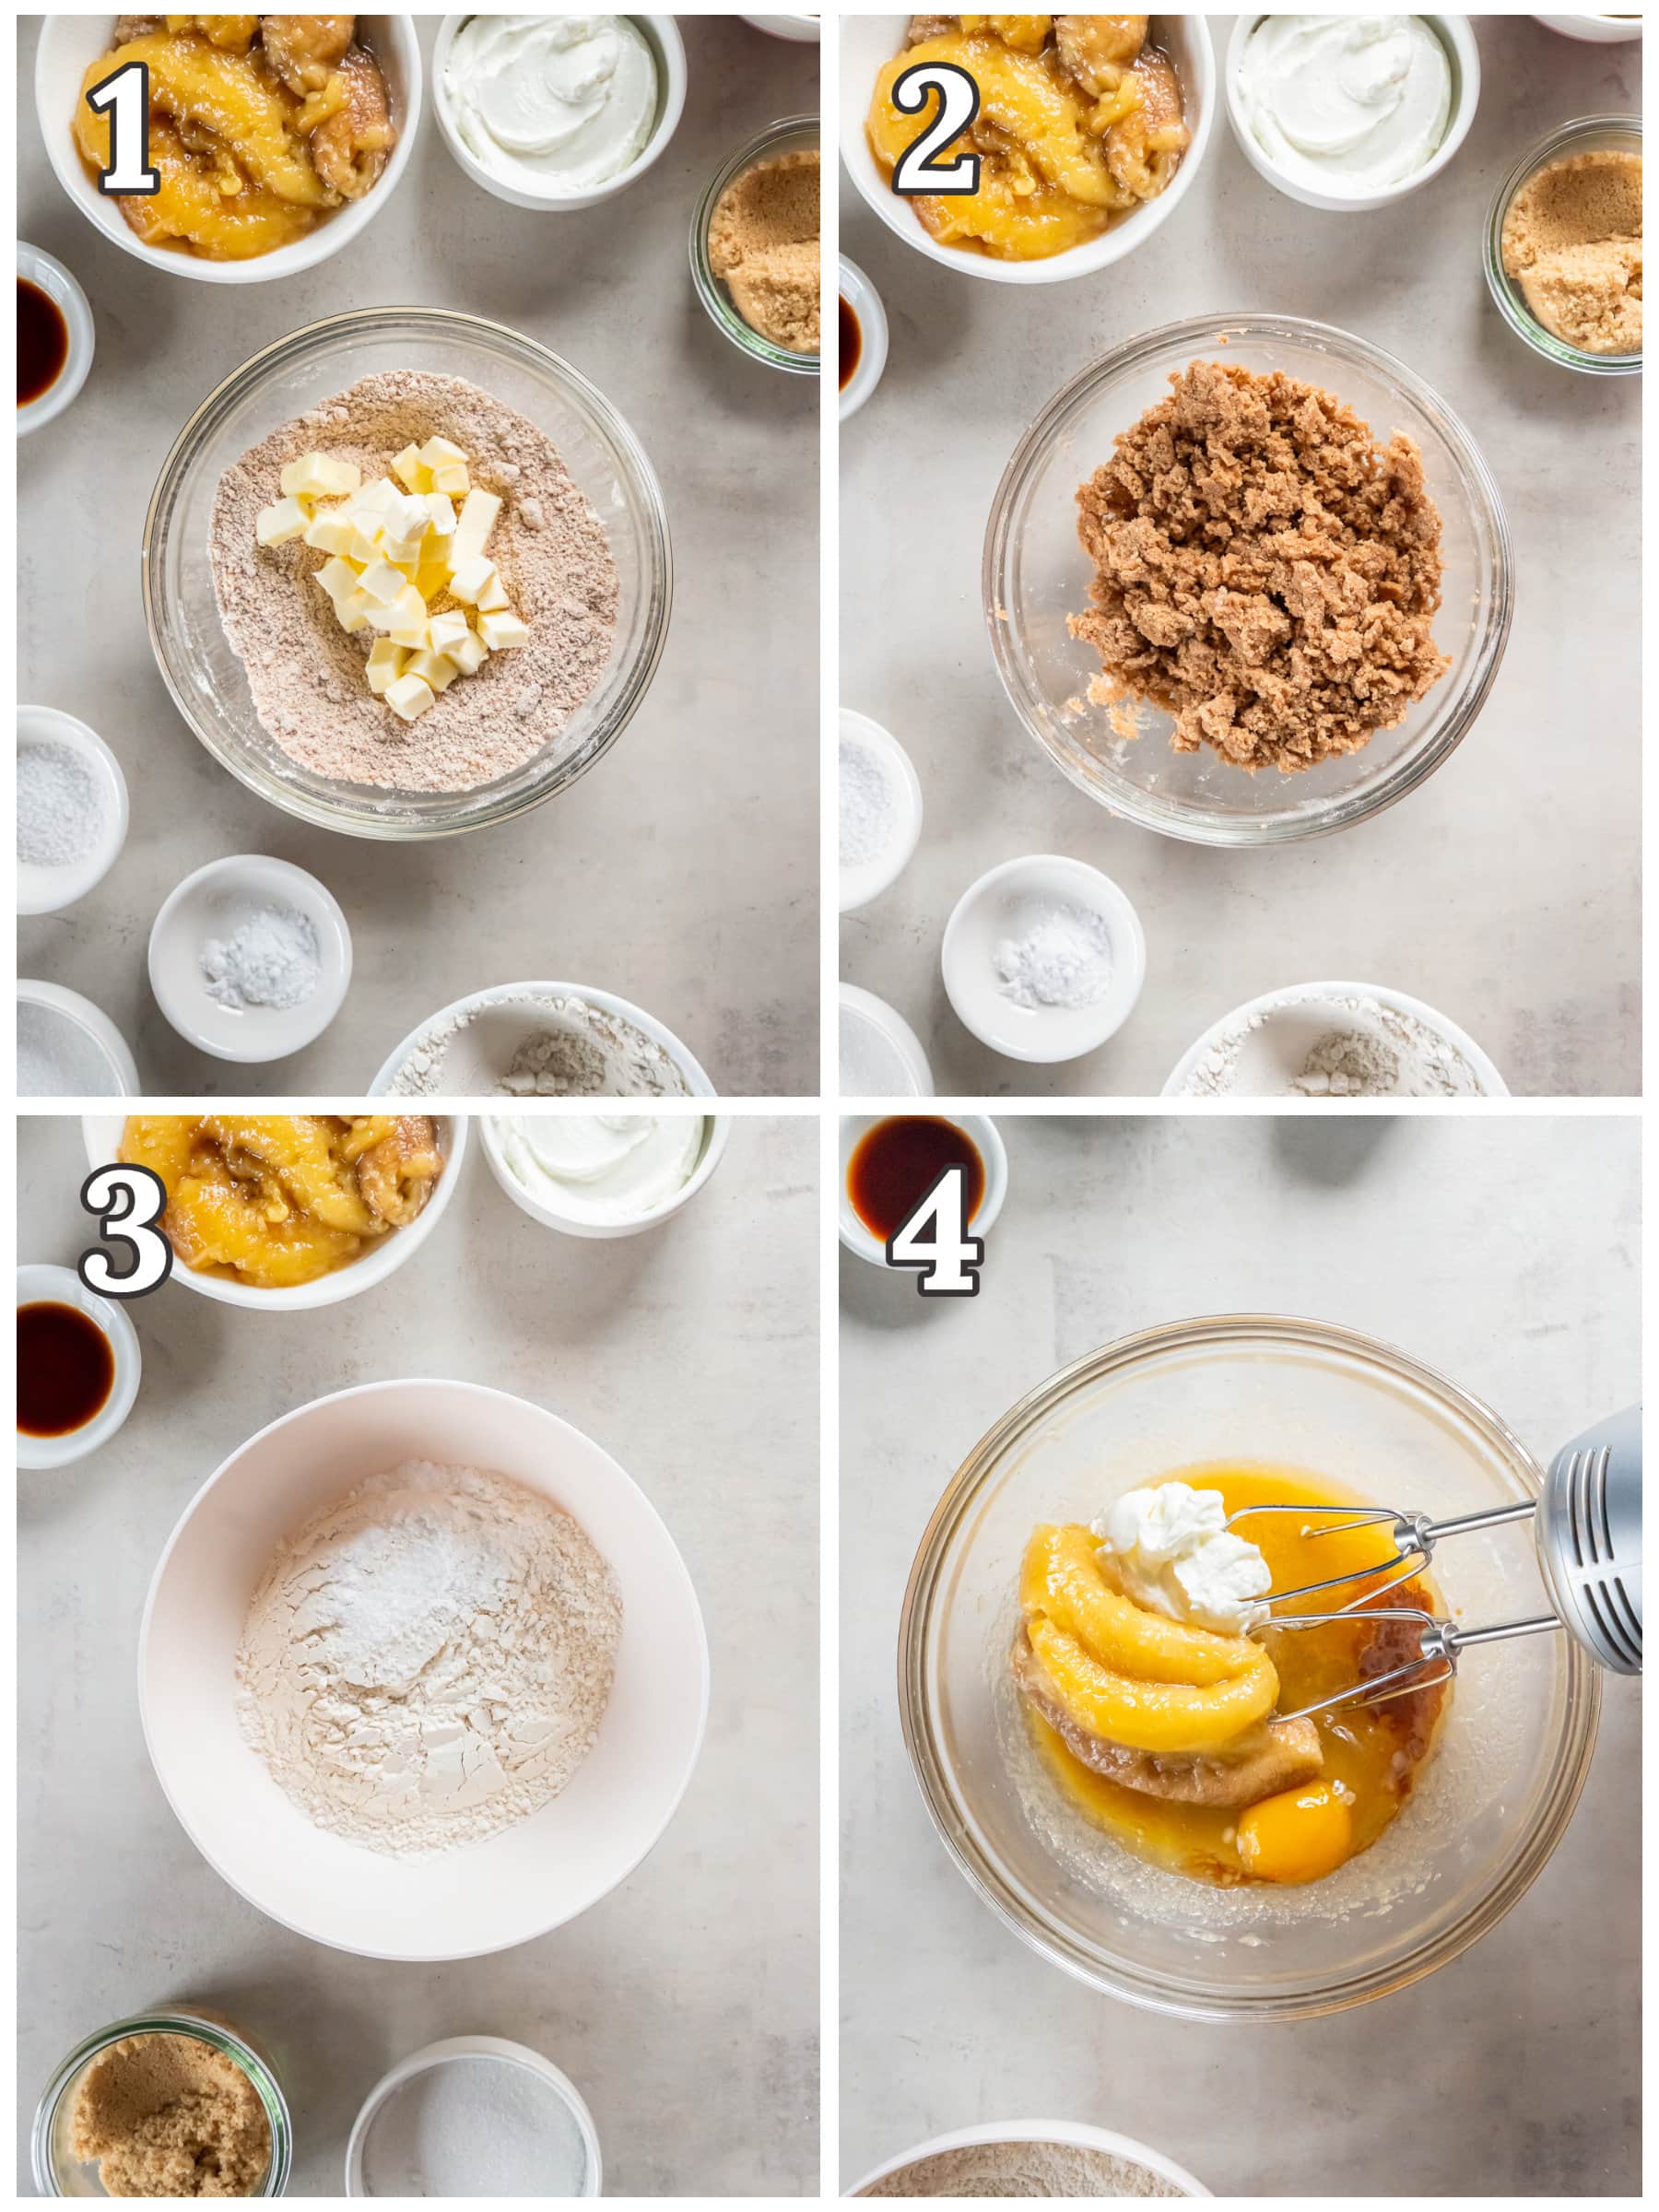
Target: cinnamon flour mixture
pixel 1024 2169
pixel 1264 571
pixel 307 674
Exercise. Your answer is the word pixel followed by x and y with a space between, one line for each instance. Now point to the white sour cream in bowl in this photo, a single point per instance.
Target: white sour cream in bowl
pixel 550 108
pixel 1347 109
pixel 601 1174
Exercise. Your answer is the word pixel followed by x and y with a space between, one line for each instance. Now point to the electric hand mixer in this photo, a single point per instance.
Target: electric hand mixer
pixel 1587 1528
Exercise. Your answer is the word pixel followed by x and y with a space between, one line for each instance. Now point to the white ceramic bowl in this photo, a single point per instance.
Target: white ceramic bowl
pixel 717 1129
pixel 1594 30
pixel 71 43
pixel 862 1009
pixel 1071 2133
pixel 101 1133
pixel 867 880
pixel 802 30
pixel 988 910
pixel 49 275
pixel 459 1904
pixel 866 41
pixel 660 34
pixel 87 1029
pixel 498 1023
pixel 1293 1022
pixel 865 301
pixel 474 2047
pixel 47 890
pixel 39 1283
pixel 214 903
pixel 1458 39
pixel 987 1141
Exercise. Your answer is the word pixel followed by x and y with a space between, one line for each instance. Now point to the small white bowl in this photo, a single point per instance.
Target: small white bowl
pixel 214 903
pixel 1594 30
pixel 869 878
pixel 1296 1019
pixel 474 2047
pixel 862 1009
pixel 803 30
pixel 1070 2133
pixel 497 1022
pixel 988 909
pixel 865 301
pixel 47 890
pixel 868 42
pixel 987 1140
pixel 668 50
pixel 1458 39
pixel 532 1877
pixel 102 1134
pixel 88 1030
pixel 717 1129
pixel 49 275
pixel 39 1283
pixel 71 43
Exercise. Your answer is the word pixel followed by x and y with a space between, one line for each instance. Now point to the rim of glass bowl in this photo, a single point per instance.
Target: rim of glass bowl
pixel 1196 825
pixel 168 2022
pixel 450 813
pixel 786 135
pixel 1506 296
pixel 1162 1995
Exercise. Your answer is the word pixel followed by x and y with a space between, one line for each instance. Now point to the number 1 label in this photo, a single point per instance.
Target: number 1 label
pixel 936 1240
pixel 123 96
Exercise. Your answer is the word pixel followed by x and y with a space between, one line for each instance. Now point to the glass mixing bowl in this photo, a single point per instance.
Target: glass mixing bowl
pixel 1591 134
pixel 1036 573
pixel 597 447
pixel 792 134
pixel 1488 1808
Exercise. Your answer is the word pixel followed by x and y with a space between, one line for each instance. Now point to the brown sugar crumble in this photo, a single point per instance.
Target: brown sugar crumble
pixel 1572 243
pixel 165 2115
pixel 763 245
pixel 1264 571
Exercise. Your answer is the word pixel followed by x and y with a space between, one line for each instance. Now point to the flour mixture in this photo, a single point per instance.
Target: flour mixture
pixel 426 1662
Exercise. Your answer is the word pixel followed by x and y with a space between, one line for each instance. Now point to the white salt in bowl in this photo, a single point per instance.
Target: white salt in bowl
pixel 486 1896
pixel 467 1047
pixel 101 1134
pixel 877 1042
pixel 862 880
pixel 214 903
pixel 995 908
pixel 61 1030
pixel 1070 2133
pixel 45 889
pixel 553 2079
pixel 1295 1019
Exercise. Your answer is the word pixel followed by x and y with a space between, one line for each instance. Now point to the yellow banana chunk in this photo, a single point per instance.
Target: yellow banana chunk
pixel 1152 1716
pixel 1062 1579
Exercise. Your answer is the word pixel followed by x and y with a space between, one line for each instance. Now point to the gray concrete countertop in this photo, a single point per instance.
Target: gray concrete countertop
pixel 628 881
pixel 1506 891
pixel 1516 2069
pixel 685 2005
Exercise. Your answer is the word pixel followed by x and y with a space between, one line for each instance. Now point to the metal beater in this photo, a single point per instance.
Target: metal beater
pixel 1587 1527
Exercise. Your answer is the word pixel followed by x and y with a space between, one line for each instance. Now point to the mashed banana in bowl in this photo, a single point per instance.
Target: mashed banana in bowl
pixel 260 127
pixel 1080 120
pixel 277 1200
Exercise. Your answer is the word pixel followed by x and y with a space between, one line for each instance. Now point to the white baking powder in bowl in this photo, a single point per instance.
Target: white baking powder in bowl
pixel 474 2126
pixel 872 805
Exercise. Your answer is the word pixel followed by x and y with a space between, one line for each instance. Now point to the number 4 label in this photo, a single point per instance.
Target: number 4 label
pixel 128 1202
pixel 936 1240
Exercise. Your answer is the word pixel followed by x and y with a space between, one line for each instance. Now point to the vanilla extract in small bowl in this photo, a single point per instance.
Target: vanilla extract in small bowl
pixel 65 1369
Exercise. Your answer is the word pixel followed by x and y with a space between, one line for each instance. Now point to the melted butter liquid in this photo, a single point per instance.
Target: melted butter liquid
pixel 1372 1752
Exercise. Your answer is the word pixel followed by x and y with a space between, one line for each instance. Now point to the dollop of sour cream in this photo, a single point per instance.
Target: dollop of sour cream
pixel 603 1167
pixel 1169 1549
pixel 552 103
pixel 1349 105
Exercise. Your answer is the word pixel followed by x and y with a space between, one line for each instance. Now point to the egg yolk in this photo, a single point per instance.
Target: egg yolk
pixel 1298 1836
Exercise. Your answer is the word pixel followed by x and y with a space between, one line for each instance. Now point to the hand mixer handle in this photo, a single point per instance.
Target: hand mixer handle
pixel 1588 1532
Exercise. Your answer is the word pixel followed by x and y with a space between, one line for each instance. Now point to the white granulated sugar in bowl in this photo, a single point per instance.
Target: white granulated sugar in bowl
pixel 427 1661
pixel 872 806
pixel 531 1045
pixel 61 808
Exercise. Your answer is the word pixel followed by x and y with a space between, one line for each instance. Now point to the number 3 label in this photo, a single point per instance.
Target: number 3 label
pixel 958 104
pixel 128 1202
pixel 123 95
pixel 936 1240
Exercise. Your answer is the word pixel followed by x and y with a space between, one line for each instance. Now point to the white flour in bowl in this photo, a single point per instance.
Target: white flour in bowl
pixel 427 1661
pixel 1024 2169
pixel 529 1045
pixel 1359 1048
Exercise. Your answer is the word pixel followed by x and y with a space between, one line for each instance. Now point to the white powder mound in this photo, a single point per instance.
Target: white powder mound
pixel 1366 1050
pixel 426 1662
pixel 1024 2169
pixel 563 1048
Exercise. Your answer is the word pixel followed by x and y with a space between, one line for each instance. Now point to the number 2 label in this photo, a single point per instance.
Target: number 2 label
pixel 917 171
pixel 128 1202
pixel 936 1240
pixel 123 96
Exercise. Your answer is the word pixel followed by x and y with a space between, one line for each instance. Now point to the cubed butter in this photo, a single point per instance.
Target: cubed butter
pixel 434 669
pixel 502 631
pixel 409 696
pixel 407 623
pixel 383 583
pixel 453 477
pixel 447 630
pixel 493 597
pixel 469 654
pixel 281 524
pixel 385 664
pixel 441 514
pixel 478 514
pixel 330 532
pixel 355 610
pixel 468 578
pixel 337 578
pixel 412 470
pixel 438 453
pixel 318 477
